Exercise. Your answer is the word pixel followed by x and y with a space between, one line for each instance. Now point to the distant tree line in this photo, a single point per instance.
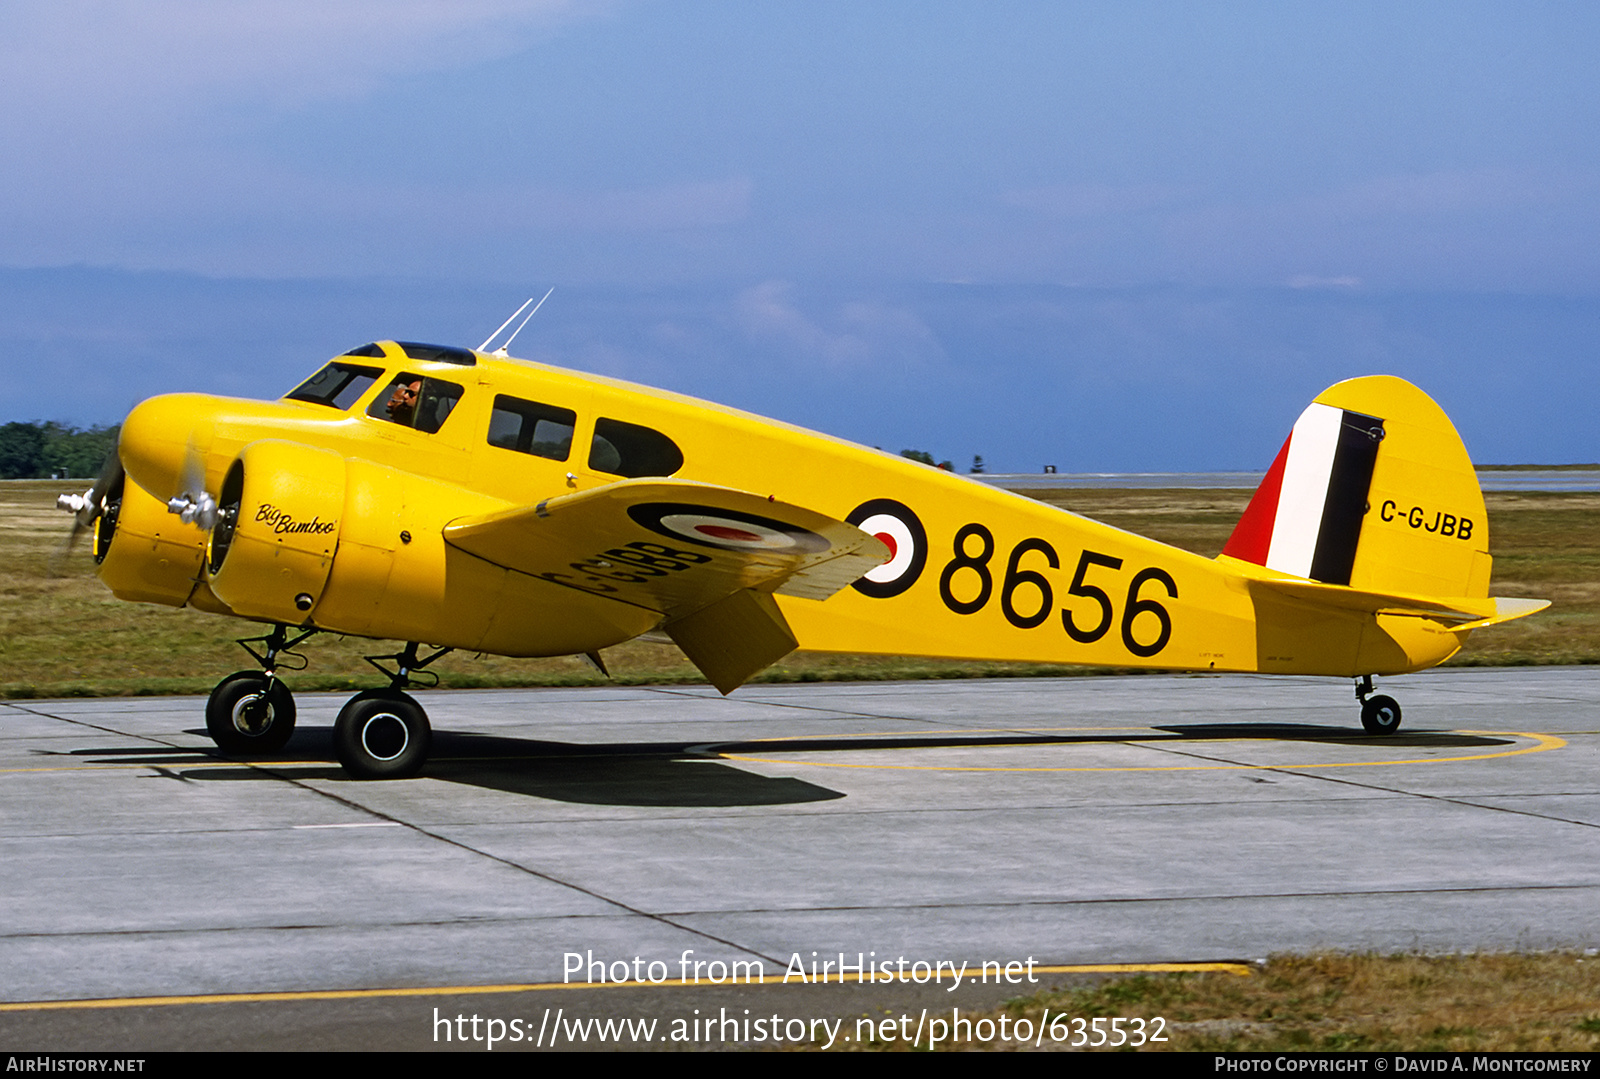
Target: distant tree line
pixel 927 458
pixel 43 450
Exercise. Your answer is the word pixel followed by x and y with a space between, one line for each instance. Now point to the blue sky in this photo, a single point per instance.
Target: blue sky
pixel 1104 236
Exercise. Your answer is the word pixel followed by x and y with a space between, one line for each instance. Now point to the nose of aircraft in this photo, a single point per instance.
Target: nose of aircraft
pixel 165 440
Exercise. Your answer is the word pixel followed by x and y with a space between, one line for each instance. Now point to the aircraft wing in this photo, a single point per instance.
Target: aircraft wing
pixel 707 558
pixel 672 546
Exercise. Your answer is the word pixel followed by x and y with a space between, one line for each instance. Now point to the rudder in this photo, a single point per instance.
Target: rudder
pixel 1372 489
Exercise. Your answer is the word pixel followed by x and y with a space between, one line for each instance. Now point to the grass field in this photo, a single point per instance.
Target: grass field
pixel 1476 1003
pixel 62 634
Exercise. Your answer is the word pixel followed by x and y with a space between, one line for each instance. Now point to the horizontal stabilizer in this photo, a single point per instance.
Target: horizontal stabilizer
pixel 1464 612
pixel 1507 608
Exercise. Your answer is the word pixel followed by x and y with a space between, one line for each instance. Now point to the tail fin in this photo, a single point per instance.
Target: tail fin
pixel 1373 489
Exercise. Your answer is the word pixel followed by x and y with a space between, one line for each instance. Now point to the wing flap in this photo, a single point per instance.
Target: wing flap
pixel 734 638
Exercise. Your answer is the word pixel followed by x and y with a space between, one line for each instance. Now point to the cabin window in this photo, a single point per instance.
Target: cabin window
pixel 415 401
pixel 338 385
pixel 529 427
pixel 631 451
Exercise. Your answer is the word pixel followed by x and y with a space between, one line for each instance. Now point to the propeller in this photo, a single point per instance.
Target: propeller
pixel 87 507
pixel 193 504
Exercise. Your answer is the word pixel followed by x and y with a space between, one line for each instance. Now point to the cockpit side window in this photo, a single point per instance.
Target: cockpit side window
pixel 338 385
pixel 631 451
pixel 416 401
pixel 530 427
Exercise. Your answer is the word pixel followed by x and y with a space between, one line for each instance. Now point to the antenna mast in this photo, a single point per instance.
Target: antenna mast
pixel 504 349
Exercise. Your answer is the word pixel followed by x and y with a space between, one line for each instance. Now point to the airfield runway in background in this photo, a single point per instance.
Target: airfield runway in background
pixel 1068 821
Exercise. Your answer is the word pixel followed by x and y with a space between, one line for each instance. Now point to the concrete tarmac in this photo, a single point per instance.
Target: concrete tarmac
pixel 1059 822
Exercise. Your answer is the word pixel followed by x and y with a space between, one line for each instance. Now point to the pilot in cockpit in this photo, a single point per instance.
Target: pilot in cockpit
pixel 402 406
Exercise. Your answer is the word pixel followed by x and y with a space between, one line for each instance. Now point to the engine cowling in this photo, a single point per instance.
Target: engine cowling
pixel 281 508
pixel 143 553
pixel 308 537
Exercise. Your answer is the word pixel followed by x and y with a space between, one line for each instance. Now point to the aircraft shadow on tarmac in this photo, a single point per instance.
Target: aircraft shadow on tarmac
pixel 670 774
pixel 1308 732
pixel 651 774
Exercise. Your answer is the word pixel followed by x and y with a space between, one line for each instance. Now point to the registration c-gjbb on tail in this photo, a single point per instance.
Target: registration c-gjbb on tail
pixel 423 493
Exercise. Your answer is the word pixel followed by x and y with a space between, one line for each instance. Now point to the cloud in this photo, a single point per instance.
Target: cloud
pixel 671 206
pixel 1093 200
pixel 1454 191
pixel 1312 281
pixel 153 63
pixel 174 135
pixel 217 213
pixel 863 332
pixel 767 312
pixel 461 206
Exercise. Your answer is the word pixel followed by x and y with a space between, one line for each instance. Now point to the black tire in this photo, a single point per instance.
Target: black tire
pixel 244 717
pixel 382 734
pixel 1380 714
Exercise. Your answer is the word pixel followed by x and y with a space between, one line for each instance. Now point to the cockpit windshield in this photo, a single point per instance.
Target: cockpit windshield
pixel 338 385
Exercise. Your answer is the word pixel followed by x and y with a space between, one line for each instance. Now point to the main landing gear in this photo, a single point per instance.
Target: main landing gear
pixel 384 733
pixel 252 712
pixel 379 734
pixel 1379 714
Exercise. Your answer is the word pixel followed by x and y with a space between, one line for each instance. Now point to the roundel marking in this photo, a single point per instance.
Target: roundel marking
pixel 901 531
pixel 892 532
pixel 728 530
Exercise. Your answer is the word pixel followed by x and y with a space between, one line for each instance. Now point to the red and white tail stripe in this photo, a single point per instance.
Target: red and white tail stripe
pixel 1305 518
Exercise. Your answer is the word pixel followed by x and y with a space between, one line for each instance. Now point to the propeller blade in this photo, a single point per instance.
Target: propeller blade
pixel 87 507
pixel 193 503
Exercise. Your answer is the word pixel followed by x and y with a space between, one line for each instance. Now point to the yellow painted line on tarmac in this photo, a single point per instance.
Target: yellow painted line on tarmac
pixel 917 732
pixel 112 766
pixel 213 762
pixel 1238 969
pixel 1542 743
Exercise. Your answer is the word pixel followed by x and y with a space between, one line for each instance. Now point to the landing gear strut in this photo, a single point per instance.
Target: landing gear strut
pixel 251 712
pixel 384 733
pixel 380 733
pixel 1379 714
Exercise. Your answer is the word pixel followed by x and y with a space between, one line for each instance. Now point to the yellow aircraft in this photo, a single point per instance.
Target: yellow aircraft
pixel 461 499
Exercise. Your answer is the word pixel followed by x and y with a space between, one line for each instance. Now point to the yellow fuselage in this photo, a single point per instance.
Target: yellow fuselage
pixel 352 539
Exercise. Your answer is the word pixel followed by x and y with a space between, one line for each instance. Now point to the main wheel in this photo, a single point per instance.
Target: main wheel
pixel 1380 714
pixel 249 714
pixel 382 734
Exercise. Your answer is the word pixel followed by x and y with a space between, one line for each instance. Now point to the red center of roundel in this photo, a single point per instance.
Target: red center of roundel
pixel 888 541
pixel 727 532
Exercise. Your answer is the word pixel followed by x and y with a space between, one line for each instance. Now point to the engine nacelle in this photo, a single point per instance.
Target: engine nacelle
pixel 309 537
pixel 396 577
pixel 281 507
pixel 142 552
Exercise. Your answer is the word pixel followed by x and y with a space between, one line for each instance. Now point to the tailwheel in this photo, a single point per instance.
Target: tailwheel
pixel 250 712
pixel 1380 714
pixel 382 734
